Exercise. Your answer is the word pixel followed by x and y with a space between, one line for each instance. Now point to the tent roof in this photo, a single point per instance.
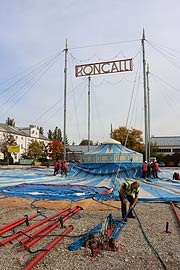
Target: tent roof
pixel 111 141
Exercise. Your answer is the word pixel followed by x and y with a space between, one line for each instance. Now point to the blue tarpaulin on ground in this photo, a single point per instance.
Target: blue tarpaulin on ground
pixel 100 183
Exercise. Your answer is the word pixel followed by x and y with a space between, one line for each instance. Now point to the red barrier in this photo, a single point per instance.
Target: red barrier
pixel 16 223
pixel 53 244
pixel 11 238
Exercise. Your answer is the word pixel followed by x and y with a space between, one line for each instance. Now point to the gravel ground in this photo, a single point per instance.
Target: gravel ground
pixel 133 253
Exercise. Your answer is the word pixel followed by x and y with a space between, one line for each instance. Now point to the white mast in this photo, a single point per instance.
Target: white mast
pixel 89 89
pixel 65 87
pixel 145 100
pixel 149 127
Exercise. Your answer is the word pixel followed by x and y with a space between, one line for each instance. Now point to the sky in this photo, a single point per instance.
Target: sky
pixel 33 37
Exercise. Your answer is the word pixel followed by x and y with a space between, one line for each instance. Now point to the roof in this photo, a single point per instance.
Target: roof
pixel 18 131
pixel 111 141
pixel 9 129
pixel 81 148
pixel 166 141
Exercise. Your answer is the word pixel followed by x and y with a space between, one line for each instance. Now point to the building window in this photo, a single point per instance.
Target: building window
pixel 22 138
pixel 176 150
pixel 22 146
pixel 164 150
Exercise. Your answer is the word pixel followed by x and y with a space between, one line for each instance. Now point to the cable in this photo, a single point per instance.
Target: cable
pixel 31 80
pixel 104 44
pixel 148 241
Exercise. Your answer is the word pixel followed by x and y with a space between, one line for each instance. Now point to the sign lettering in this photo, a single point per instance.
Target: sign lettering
pixel 104 67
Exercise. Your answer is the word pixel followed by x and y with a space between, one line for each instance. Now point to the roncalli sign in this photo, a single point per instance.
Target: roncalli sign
pixel 104 67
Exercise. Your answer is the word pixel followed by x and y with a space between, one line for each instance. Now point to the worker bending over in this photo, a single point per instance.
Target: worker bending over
pixel 126 191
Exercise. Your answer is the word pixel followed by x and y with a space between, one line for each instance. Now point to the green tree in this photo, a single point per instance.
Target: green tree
pixel 57 134
pixel 85 142
pixel 41 130
pixel 132 138
pixel 44 150
pixel 50 135
pixel 154 149
pixel 10 122
pixel 35 150
pixel 7 140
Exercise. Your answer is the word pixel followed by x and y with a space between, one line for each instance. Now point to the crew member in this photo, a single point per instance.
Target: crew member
pixel 126 191
pixel 65 167
pixel 56 167
pixel 155 169
pixel 176 176
pixel 145 169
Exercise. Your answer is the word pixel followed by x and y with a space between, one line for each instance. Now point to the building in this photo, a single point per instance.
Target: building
pixel 167 145
pixel 23 137
pixel 76 152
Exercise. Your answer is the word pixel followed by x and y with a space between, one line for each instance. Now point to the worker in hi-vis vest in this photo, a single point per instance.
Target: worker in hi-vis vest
pixel 126 192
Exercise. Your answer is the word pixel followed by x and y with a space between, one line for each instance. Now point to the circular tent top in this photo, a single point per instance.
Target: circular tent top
pixel 111 141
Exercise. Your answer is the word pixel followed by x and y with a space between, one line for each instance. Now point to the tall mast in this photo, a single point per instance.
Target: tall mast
pixel 65 88
pixel 89 89
pixel 149 127
pixel 145 99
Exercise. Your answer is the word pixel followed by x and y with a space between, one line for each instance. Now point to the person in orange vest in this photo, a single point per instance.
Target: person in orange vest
pixel 56 167
pixel 65 167
pixel 155 169
pixel 176 176
pixel 145 169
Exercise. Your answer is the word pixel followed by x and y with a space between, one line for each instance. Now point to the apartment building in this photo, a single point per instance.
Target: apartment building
pixel 23 137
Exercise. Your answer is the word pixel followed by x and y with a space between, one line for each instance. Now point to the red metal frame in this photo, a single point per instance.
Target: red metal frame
pixel 53 244
pixel 16 223
pixel 15 236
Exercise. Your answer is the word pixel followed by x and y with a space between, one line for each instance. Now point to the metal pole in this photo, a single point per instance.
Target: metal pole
pixel 145 97
pixel 149 127
pixel 65 87
pixel 89 87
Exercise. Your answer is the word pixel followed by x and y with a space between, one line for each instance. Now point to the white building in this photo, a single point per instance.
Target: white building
pixel 167 145
pixel 23 137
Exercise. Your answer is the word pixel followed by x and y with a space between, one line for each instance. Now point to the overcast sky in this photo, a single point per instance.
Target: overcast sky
pixel 33 35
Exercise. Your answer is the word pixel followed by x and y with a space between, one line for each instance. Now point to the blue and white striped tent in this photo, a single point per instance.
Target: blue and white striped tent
pixel 110 157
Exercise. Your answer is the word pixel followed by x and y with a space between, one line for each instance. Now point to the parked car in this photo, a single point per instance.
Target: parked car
pixel 162 164
pixel 170 164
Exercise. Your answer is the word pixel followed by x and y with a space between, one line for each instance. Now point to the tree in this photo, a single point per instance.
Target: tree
pixel 57 134
pixel 10 122
pixel 85 142
pixel 132 138
pixel 35 150
pixel 50 135
pixel 41 130
pixel 7 140
pixel 56 149
pixel 154 149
